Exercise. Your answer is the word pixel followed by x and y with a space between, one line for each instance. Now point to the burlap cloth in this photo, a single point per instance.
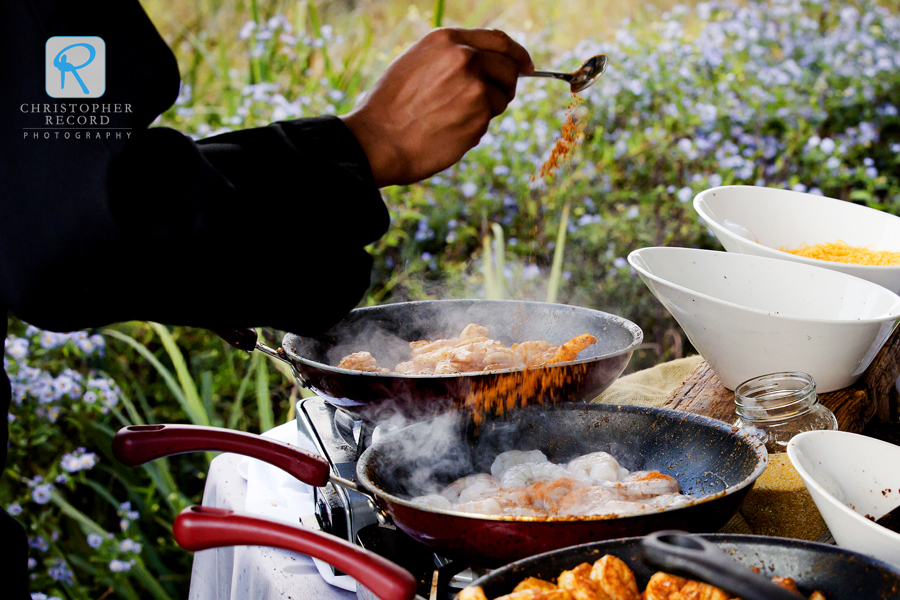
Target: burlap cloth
pixel 777 505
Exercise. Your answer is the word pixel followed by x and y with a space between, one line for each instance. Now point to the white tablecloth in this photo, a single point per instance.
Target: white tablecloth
pixel 251 572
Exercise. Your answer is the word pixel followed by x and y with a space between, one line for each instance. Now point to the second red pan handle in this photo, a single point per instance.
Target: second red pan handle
pixel 138 444
pixel 203 527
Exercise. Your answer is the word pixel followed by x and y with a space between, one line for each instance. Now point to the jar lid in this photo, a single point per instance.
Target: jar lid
pixel 775 396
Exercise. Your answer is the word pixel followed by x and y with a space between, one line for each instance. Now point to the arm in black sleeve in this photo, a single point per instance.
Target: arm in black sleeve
pixel 264 226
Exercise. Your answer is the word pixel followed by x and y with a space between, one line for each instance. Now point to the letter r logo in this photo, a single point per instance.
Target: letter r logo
pixel 75 67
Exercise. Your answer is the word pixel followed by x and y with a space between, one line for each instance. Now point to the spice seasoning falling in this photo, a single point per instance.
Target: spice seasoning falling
pixel 570 138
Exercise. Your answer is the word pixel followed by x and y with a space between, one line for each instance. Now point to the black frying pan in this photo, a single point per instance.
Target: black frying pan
pixel 839 574
pixel 386 331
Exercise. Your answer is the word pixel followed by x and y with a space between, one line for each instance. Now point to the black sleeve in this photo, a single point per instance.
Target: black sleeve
pixel 263 226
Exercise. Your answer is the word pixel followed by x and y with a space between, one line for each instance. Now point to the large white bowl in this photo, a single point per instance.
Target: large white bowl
pixel 849 476
pixel 750 315
pixel 759 221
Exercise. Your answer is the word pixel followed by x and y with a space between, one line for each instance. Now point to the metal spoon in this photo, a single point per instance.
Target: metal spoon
pixel 581 79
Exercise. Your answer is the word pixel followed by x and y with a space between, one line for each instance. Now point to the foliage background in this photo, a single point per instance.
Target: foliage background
pixel 783 93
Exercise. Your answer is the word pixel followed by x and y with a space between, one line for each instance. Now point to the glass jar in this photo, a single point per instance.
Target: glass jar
pixel 778 406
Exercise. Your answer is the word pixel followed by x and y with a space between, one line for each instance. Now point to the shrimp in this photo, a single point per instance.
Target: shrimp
pixel 361 361
pixel 615 578
pixel 530 352
pixel 455 489
pixel 663 586
pixel 579 584
pixel 595 466
pixel 533 583
pixel 523 475
pixel 473 330
pixel 471 593
pixel 570 349
pixel 649 483
pixel 479 489
pixel 505 460
pixel 546 495
pixel 694 590
pixel 433 501
pixel 486 506
pixel 786 582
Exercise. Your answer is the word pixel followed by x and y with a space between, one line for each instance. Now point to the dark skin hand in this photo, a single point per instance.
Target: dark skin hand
pixel 435 101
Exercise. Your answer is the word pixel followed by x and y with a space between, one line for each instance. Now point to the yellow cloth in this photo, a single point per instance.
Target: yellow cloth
pixel 652 386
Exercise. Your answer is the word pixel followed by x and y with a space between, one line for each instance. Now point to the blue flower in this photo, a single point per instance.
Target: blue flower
pixel 32 563
pixel 38 543
pixel 684 194
pixel 468 189
pixel 14 509
pixel 119 566
pixel 41 493
pixel 94 540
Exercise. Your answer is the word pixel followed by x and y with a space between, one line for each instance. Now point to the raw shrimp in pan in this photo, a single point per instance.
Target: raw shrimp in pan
pixel 596 466
pixel 523 475
pixel 505 460
pixel 484 481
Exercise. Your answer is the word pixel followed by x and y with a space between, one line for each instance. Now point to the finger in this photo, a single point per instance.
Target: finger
pixel 495 40
pixel 500 70
pixel 496 99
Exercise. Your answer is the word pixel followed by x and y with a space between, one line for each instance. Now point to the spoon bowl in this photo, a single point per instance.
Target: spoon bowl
pixel 583 77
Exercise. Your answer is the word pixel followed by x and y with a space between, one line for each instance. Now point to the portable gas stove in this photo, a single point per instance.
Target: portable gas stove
pixel 351 516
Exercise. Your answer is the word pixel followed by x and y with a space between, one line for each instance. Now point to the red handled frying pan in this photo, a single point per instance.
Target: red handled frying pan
pixel 709 459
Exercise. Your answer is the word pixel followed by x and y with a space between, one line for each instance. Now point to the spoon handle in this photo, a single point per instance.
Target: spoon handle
pixel 551 74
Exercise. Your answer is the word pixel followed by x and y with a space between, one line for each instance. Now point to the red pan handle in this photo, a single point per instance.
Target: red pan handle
pixel 138 444
pixel 202 527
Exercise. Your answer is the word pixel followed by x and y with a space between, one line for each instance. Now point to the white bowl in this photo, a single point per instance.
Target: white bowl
pixel 750 315
pixel 849 476
pixel 759 221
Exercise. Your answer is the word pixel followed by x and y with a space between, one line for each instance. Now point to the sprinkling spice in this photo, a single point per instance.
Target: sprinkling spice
pixel 569 139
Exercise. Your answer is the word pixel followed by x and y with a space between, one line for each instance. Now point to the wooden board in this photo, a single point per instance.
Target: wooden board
pixel 873 395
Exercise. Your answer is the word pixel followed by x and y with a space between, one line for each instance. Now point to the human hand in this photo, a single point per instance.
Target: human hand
pixel 435 100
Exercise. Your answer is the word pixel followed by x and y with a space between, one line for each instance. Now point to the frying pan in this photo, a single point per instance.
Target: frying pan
pixel 386 331
pixel 710 459
pixel 839 574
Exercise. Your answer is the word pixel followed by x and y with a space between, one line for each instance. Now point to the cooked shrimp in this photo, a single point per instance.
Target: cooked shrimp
pixel 471 593
pixel 530 352
pixel 694 590
pixel 453 491
pixel 361 361
pixel 473 330
pixel 586 501
pixel 663 586
pixel 817 595
pixel 534 594
pixel 511 458
pixel 616 579
pixel 533 583
pixel 595 466
pixel 521 476
pixel 570 349
pixel 786 582
pixel 433 501
pixel 579 584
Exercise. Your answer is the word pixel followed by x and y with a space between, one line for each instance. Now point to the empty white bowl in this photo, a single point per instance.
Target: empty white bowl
pixel 850 476
pixel 759 221
pixel 750 315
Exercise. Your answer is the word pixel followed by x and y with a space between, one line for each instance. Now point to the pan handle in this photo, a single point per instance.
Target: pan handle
pixel 692 556
pixel 241 338
pixel 246 339
pixel 138 444
pixel 203 527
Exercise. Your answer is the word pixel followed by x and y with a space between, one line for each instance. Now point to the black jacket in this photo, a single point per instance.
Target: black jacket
pixel 264 226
